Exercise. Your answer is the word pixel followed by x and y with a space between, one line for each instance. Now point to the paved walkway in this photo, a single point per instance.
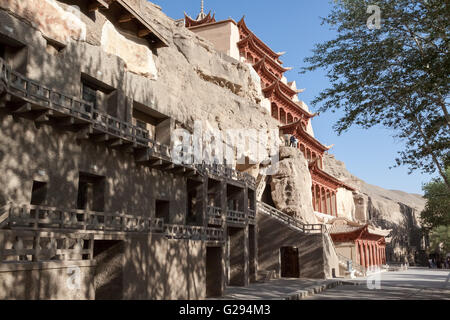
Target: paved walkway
pixel 415 283
pixel 279 289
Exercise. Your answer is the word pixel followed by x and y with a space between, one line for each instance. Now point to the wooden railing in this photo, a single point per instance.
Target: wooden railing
pixel 4 215
pixel 225 171
pixel 290 221
pixel 215 216
pixel 214 212
pixel 193 233
pixel 251 214
pixel 34 246
pixel 43 98
pixel 359 268
pixel 39 217
pixel 236 216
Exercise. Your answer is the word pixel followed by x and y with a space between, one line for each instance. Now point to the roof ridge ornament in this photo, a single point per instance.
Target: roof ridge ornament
pixel 202 14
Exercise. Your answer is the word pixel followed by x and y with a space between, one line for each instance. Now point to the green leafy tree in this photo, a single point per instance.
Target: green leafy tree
pixel 395 75
pixel 440 239
pixel 437 209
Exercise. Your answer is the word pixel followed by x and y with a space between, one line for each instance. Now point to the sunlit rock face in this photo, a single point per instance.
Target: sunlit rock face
pixel 48 17
pixel 138 58
pixel 345 203
pixel 291 186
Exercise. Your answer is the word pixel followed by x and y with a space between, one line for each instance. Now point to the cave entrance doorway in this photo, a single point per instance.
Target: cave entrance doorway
pixel 236 257
pixel 267 196
pixel 214 272
pixel 290 267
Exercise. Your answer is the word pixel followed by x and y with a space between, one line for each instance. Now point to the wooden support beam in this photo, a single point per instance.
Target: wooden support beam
pixel 101 137
pixel 156 164
pixel 83 132
pixel 4 99
pixel 188 174
pixel 167 167
pixel 127 148
pixel 143 33
pixel 98 4
pixel 126 18
pixel 65 122
pixel 42 118
pixel 141 156
pixel 181 171
pixel 26 107
pixel 115 143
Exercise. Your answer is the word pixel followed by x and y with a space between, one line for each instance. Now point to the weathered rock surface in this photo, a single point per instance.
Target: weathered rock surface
pixel 49 17
pixel 345 203
pixel 386 204
pixel 138 57
pixel 388 209
pixel 291 186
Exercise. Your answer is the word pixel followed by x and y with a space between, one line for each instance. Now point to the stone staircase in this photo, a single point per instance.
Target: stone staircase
pixel 359 270
pixel 289 221
pixel 261 182
pixel 4 214
pixel 265 275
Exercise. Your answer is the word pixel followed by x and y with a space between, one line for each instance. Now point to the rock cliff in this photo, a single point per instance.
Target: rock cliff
pixel 291 186
pixel 388 209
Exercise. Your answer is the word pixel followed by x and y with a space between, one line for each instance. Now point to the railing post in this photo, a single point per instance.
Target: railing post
pixel 2 245
pixel 91 247
pixel 36 247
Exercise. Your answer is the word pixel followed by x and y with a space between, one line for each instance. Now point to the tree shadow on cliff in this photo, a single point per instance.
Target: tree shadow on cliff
pixel 53 152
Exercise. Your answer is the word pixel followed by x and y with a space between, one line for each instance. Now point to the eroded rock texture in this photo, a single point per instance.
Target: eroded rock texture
pixel 291 186
pixel 388 209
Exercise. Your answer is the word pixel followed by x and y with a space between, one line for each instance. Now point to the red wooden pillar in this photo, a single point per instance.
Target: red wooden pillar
pixel 366 253
pixel 370 254
pixel 320 197
pixel 377 254
pixel 374 256
pixel 330 197
pixel 381 258
pixel 361 253
pixel 335 203
pixel 377 262
pixel 375 247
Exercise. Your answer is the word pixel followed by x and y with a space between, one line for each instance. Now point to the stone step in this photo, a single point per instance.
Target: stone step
pixel 313 290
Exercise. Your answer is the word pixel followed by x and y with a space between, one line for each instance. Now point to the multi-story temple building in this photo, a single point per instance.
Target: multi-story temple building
pixel 89 191
pixel 295 120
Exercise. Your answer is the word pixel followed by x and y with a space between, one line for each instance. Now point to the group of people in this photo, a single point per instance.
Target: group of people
pixel 439 263
pixel 291 141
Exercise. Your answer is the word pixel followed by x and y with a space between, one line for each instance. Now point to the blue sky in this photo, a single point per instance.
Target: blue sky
pixel 295 26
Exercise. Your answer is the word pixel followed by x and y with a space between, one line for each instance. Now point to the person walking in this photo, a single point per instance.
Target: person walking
pixel 292 141
pixel 295 143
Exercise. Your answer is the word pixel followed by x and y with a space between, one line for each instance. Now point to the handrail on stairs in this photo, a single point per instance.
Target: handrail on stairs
pixel 290 221
pixel 4 213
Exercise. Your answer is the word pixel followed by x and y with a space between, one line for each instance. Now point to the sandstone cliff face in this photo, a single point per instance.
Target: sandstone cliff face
pixel 388 209
pixel 291 186
pixel 187 81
